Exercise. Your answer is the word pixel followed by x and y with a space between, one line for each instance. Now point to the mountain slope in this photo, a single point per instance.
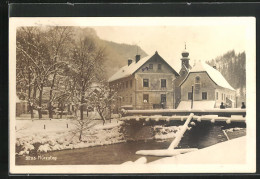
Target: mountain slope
pixel 116 54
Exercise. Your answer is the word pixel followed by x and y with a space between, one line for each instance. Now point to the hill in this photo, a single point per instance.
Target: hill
pixel 117 54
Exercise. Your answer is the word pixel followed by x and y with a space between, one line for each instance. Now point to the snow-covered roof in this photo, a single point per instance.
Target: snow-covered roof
pixel 214 74
pixel 126 71
pixel 197 105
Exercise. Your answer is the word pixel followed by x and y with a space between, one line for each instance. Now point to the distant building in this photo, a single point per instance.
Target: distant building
pixel 146 83
pixel 21 106
pixel 210 88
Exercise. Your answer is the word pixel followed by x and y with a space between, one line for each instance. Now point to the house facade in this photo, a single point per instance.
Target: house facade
pixel 210 88
pixel 145 83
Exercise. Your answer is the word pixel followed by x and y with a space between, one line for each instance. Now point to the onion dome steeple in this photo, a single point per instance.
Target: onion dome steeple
pixel 185 53
pixel 185 58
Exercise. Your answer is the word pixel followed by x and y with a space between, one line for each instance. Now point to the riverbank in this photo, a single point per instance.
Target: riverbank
pixel 36 136
pixel 41 136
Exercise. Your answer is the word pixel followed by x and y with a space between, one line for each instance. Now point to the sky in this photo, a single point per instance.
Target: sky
pixel 206 37
pixel 202 42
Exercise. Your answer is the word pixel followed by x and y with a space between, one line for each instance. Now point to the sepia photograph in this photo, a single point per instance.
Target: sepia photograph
pixel 132 95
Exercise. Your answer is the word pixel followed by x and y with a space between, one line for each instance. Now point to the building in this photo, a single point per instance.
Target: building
pixel 210 88
pixel 146 83
pixel 21 106
pixel 184 71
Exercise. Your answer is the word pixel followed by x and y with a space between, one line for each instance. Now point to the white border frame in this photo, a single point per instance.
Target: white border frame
pixel 248 22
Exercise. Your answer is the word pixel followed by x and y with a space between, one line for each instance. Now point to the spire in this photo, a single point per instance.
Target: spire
pixel 185 45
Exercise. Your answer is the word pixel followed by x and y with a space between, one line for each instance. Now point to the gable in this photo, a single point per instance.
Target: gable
pixel 134 67
pixel 155 65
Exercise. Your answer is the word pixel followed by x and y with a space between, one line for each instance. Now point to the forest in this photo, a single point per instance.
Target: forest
pixel 232 65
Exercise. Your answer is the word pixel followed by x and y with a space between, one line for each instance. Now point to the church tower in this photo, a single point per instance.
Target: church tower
pixel 185 58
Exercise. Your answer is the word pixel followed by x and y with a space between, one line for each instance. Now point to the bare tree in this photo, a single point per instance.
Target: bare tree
pixel 59 40
pixel 86 60
pixel 35 50
pixel 102 100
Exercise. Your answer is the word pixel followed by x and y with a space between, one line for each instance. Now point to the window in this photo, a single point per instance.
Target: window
pixel 123 99
pixel 126 98
pixel 150 66
pixel 131 99
pixel 222 96
pixel 163 98
pixel 126 84
pixel 204 95
pixel 131 83
pixel 216 95
pixel 146 83
pixel 189 95
pixel 159 66
pixel 197 85
pixel 145 98
pixel 163 83
pixel 197 79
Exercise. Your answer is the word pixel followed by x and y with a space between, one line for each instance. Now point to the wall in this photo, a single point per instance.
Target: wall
pixel 228 93
pixel 154 90
pixel 206 85
pixel 124 92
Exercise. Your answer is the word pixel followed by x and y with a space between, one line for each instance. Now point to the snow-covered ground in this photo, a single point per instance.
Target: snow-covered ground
pixel 59 134
pixel 229 152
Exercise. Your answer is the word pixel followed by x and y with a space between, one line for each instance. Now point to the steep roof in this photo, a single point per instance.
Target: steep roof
pixel 214 74
pixel 126 71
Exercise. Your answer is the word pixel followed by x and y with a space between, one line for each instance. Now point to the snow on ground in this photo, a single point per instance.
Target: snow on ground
pixel 59 134
pixel 221 153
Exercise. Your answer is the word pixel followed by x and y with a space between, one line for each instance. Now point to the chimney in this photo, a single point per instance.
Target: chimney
pixel 137 58
pixel 215 67
pixel 130 61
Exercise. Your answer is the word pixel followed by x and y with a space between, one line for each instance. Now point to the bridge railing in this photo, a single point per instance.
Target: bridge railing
pixel 228 112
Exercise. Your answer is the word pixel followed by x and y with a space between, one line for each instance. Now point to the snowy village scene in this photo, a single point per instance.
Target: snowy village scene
pixel 130 95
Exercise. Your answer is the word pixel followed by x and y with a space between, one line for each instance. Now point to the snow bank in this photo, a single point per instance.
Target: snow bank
pixel 221 153
pixel 60 134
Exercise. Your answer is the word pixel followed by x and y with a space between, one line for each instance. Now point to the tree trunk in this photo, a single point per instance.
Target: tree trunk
pixel 51 96
pixel 81 112
pixel 82 107
pixel 50 110
pixel 102 117
pixel 40 102
pixel 31 111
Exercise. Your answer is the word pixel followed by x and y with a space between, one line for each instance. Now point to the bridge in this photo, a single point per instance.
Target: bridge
pixel 216 116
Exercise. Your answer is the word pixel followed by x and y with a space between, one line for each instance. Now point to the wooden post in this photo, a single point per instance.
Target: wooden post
pixel 191 96
pixel 180 133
